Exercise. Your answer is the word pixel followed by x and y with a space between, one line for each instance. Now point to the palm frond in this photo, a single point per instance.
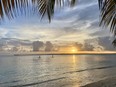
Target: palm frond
pixel 108 14
pixel 48 6
pixel 5 8
pixel 114 43
pixel 9 8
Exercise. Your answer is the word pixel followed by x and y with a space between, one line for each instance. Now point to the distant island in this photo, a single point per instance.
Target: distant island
pixel 67 53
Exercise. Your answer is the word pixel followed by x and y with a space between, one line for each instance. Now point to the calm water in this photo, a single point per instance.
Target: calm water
pixel 60 71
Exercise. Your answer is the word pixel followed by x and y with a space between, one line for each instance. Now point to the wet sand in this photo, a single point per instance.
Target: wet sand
pixel 110 82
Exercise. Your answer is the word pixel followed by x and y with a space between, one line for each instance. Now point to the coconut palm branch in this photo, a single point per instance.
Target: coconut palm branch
pixel 9 8
pixel 114 43
pixel 48 6
pixel 108 14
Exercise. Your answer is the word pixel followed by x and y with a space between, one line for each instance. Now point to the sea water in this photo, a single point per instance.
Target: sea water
pixel 60 71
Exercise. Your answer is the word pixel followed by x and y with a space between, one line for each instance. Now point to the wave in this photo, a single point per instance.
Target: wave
pixel 37 83
pixel 104 67
pixel 10 82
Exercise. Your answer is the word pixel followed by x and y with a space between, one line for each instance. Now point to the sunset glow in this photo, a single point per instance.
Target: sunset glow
pixel 74 49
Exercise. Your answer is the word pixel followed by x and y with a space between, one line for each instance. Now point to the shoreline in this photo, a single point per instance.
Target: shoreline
pixel 109 82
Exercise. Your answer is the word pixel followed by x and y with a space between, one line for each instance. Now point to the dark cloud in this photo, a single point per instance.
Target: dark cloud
pixel 37 45
pixel 88 47
pixel 15 42
pixel 48 46
pixel 92 47
pixel 79 46
pixel 106 42
pixel 99 44
pixel 1 46
pixel 15 49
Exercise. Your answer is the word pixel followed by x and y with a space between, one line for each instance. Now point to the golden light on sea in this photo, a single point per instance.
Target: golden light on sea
pixel 74 59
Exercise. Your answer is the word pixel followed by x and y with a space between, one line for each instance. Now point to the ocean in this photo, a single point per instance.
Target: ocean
pixel 59 71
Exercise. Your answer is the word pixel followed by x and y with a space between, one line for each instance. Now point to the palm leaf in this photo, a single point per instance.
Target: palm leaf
pixel 114 43
pixel 48 6
pixel 10 8
pixel 108 14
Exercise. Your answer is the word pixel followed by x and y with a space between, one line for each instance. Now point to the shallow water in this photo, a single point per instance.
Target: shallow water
pixel 60 71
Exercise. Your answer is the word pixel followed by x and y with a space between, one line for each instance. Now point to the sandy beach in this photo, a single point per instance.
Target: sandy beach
pixel 109 82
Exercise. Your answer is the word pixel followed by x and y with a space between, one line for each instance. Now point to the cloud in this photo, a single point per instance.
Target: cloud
pixel 99 44
pixel 48 46
pixel 106 42
pixel 100 33
pixel 78 24
pixel 79 46
pixel 37 45
pixel 3 32
pixel 88 47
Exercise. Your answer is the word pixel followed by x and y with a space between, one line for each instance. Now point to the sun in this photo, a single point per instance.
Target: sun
pixel 74 49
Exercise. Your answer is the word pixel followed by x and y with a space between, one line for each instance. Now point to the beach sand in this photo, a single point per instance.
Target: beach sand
pixel 110 82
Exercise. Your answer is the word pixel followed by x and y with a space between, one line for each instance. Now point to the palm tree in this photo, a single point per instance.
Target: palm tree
pixel 107 9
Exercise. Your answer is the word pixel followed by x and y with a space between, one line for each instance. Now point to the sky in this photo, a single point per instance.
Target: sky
pixel 77 24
